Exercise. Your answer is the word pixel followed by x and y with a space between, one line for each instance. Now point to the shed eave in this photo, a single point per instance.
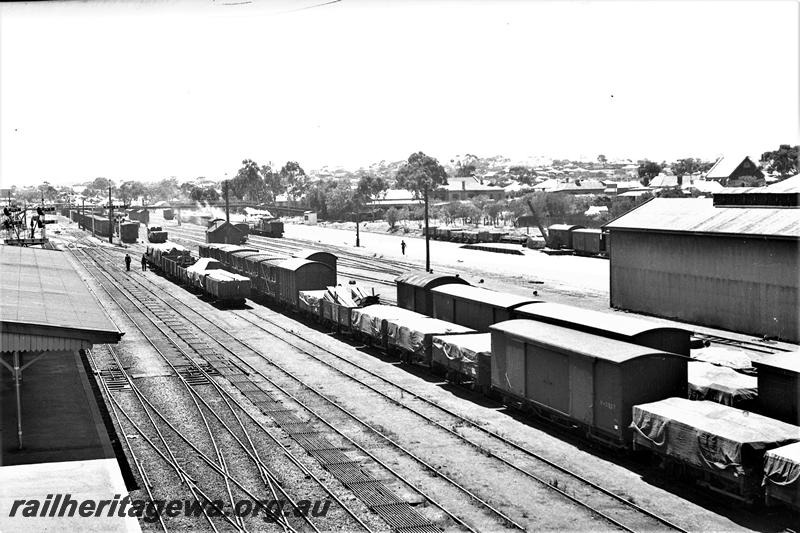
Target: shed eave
pixel 706 233
pixel 94 336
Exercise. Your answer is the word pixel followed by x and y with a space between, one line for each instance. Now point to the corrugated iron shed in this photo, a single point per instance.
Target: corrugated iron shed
pixel 586 344
pixel 46 306
pixel 699 216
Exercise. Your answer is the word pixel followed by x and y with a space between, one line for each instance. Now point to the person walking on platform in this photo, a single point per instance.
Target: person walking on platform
pixel 127 262
pixel 144 263
pixel 403 247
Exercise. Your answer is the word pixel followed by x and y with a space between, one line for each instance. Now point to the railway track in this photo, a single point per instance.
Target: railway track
pixel 197 377
pixel 396 512
pixel 614 509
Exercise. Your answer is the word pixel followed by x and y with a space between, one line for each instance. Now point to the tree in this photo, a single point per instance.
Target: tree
pixel 783 160
pixel 340 199
pixel 602 159
pixel 522 174
pixel 369 188
pixel 165 189
pixel 689 165
pixel 420 175
pixel 466 167
pixel 317 197
pixel 647 171
pixel 392 216
pixel 203 194
pixel 248 183
pixel 294 179
pixel 130 190
pixel 272 181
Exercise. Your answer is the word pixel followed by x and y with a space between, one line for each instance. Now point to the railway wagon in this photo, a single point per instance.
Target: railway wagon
pixel 414 290
pixel 722 448
pixel 102 226
pixel 156 234
pixel 226 287
pixel 560 235
pixel 369 323
pixel 779 386
pixel 588 241
pixel 474 307
pixel 464 358
pixel 128 231
pixel 267 227
pixel 309 303
pixel 611 325
pixel 252 263
pixel 325 258
pixel 339 302
pixel 782 476
pixel 140 215
pixel 723 385
pixel 287 277
pixel 196 272
pixel 412 336
pixel 168 214
pixel 156 253
pixel 580 379
pixel 238 261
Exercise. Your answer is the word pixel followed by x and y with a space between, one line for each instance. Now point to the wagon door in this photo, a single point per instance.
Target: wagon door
pixel 549 383
pixel 581 389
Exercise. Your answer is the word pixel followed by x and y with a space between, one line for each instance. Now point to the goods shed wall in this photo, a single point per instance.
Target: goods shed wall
pixel 745 284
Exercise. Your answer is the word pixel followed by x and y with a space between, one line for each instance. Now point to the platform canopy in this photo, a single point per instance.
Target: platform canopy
pixel 46 306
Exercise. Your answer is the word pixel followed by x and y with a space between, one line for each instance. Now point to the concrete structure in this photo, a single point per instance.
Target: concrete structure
pixel 725 266
pixel 736 172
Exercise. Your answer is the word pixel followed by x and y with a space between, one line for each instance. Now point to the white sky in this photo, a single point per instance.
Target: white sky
pixel 146 90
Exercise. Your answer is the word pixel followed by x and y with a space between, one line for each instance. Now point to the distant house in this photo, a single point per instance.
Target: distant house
pixel 736 172
pixel 467 188
pixel 665 181
pixel 580 186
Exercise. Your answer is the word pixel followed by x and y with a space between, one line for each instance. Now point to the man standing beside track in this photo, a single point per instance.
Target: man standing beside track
pixel 403 247
pixel 144 263
pixel 127 262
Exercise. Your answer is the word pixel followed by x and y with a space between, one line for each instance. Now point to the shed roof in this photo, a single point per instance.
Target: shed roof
pixel 222 226
pixel 42 297
pixel 479 294
pixel 426 279
pixel 699 216
pixel 564 227
pixel 788 361
pixel 618 323
pixel 586 344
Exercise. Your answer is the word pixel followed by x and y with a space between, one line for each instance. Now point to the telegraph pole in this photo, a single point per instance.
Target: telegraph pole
pixel 427 234
pixel 110 218
pixel 83 213
pixel 227 212
pixel 358 223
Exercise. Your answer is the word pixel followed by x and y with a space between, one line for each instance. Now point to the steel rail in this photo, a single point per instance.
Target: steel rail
pixel 417 459
pixel 192 391
pixel 460 418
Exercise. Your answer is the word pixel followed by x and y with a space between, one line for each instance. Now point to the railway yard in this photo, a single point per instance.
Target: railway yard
pixel 233 404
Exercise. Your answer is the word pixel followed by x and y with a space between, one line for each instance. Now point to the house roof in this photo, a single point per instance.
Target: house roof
pixel 664 180
pixel 788 185
pixel 698 215
pixel 586 344
pixel 725 166
pixel 46 305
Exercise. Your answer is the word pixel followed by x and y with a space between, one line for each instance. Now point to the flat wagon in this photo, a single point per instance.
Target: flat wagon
pixel 464 358
pixel 722 448
pixel 581 380
pixel 782 476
